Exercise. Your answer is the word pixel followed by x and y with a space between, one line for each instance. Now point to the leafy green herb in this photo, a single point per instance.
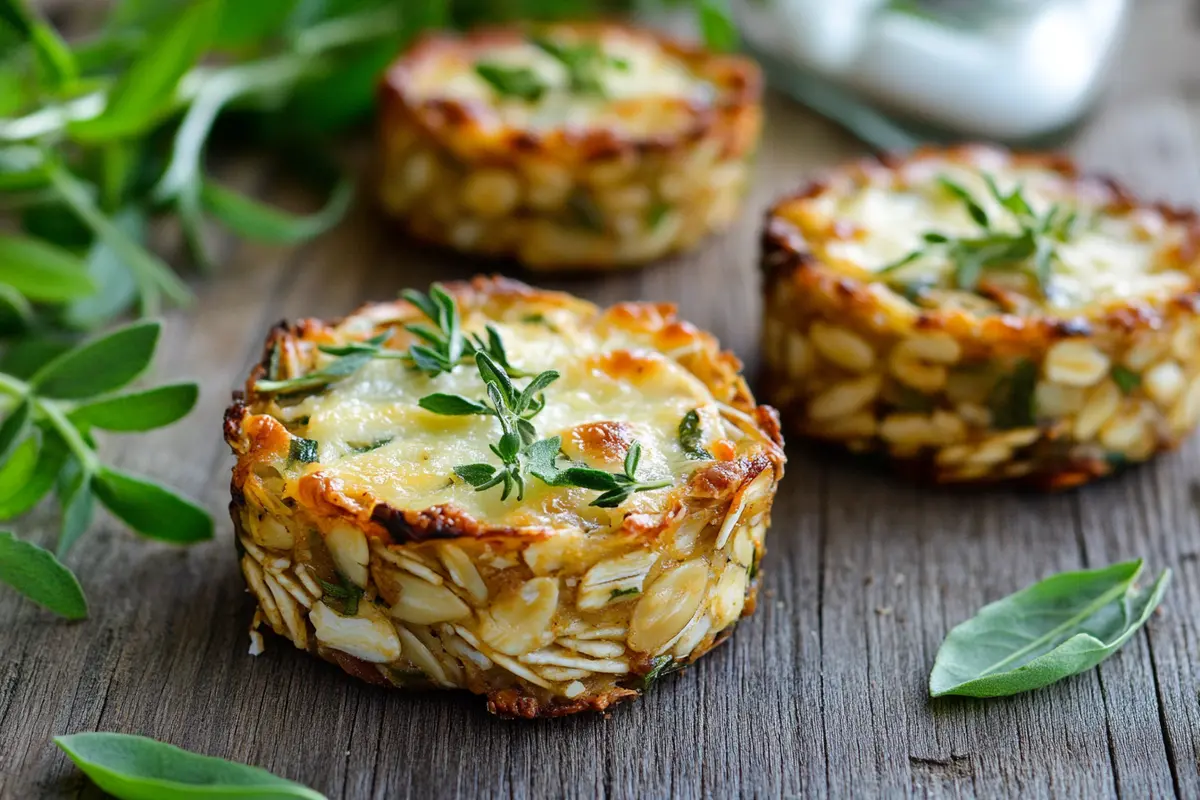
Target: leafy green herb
pixel 632 590
pixel 1031 248
pixel 660 667
pixel 1060 626
pixel 37 574
pixel 138 768
pixel 350 358
pixel 1012 398
pixel 520 452
pixel 446 346
pixel 368 447
pixel 691 436
pixel 584 63
pixel 347 591
pixel 46 435
pixel 1126 379
pixel 520 82
pixel 752 571
pixel 303 451
pixel 657 213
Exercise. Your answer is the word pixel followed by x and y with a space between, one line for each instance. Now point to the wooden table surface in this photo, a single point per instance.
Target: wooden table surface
pixel 822 692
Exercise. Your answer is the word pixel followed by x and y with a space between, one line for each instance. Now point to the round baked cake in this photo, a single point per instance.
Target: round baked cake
pixel 975 315
pixel 501 489
pixel 566 146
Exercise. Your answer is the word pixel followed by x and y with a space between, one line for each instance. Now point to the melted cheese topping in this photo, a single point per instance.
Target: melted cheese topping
pixel 1107 257
pixel 374 437
pixel 635 74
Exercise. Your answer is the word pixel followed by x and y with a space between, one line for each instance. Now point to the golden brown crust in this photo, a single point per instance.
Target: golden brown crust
pixel 737 80
pixel 446 580
pixel 575 197
pixel 925 414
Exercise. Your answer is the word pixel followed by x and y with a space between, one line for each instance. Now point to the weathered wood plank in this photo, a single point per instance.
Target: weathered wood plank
pixel 1150 691
pixel 821 693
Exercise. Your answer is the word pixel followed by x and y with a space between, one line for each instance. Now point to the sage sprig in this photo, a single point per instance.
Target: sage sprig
pixel 1031 248
pixel 139 768
pixel 47 444
pixel 1060 626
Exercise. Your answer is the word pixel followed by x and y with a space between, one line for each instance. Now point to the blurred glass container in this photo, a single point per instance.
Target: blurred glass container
pixel 897 72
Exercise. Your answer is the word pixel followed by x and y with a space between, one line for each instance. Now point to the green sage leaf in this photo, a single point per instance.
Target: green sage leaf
pixel 14 427
pixel 16 312
pixel 139 768
pixel 1060 626
pixel 254 220
pixel 145 92
pixel 304 451
pixel 43 272
pixel 22 487
pixel 117 288
pixel 151 509
pixel 716 25
pixel 18 467
pixel 101 365
pixel 77 503
pixel 36 573
pixel 139 411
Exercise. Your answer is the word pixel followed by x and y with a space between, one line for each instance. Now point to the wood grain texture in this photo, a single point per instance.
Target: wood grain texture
pixel 821 693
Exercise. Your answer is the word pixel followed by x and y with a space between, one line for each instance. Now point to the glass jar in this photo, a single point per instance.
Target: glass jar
pixel 900 71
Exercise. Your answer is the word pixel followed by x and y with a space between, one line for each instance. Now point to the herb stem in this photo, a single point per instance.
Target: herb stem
pixel 70 434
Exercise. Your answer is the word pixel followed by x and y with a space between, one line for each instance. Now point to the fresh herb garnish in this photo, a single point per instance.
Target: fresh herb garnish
pixel 691 436
pixel 513 409
pixel 1058 627
pixel 1126 379
pixel 347 591
pixel 350 359
pixel 632 590
pixel 519 82
pixel 303 451
pixel 1032 248
pixel 446 345
pixel 584 63
pixel 617 487
pixel 520 452
pixel 137 767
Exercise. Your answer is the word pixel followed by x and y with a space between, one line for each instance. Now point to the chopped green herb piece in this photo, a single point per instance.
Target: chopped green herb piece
pixel 347 592
pixel 1012 398
pixel 583 63
pixel 1126 379
pixel 660 667
pixel 303 451
pixel 520 82
pixel 366 448
pixel 632 590
pixel 657 213
pixel 691 436
pixel 585 213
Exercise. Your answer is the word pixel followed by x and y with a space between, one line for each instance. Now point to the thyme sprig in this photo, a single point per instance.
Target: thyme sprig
pixel 520 452
pixel 1032 247
pixel 447 345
